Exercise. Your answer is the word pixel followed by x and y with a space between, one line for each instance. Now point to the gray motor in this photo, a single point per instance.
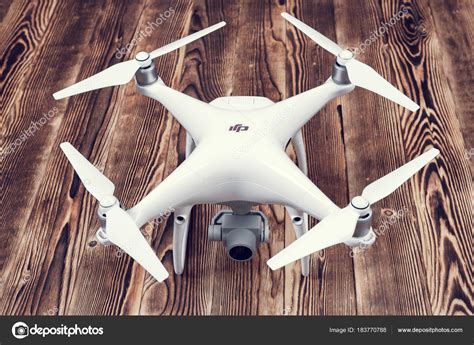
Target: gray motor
pixel 240 233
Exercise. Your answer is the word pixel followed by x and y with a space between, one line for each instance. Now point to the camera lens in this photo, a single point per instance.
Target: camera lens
pixel 240 253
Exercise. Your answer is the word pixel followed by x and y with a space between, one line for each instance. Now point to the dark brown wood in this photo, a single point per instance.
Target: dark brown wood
pixel 412 254
pixel 453 21
pixel 50 261
pixel 332 278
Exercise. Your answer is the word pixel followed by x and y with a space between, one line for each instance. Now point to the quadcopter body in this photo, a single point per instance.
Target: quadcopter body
pixel 235 155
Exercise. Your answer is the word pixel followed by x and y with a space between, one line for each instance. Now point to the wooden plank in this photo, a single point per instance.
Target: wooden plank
pixel 35 227
pixel 410 247
pixel 447 229
pixel 331 279
pixel 5 7
pixel 453 23
pixel 398 249
pixel 23 100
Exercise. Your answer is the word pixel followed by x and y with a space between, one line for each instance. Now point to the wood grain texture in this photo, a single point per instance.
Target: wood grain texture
pixel 332 278
pixel 50 261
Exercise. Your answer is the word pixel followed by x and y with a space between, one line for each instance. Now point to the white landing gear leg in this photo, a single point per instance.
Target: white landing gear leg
pixel 299 219
pixel 182 216
pixel 180 237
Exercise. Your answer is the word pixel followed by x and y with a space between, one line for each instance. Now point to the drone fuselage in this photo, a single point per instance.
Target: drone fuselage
pixel 240 152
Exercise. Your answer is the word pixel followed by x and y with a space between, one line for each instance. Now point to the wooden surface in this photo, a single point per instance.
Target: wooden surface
pixel 49 259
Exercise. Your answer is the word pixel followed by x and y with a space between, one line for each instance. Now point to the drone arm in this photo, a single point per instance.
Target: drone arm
pixel 295 189
pixel 180 189
pixel 194 115
pixel 291 114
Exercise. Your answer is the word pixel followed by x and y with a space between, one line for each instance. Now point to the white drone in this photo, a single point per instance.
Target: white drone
pixel 235 155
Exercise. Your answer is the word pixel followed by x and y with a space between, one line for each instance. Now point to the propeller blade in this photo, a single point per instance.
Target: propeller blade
pixel 366 77
pixel 122 231
pixel 94 181
pixel 336 228
pixel 317 37
pixel 386 185
pixel 118 74
pixel 185 40
pixel 359 73
pixel 123 72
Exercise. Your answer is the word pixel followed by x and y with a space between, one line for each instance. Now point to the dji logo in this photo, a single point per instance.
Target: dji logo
pixel 238 128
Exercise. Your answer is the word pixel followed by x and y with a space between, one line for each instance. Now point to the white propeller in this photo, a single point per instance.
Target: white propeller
pixel 95 182
pixel 123 72
pixel 359 73
pixel 317 37
pixel 336 228
pixel 386 185
pixel 122 231
pixel 340 225
pixel 185 40
pixel 120 228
